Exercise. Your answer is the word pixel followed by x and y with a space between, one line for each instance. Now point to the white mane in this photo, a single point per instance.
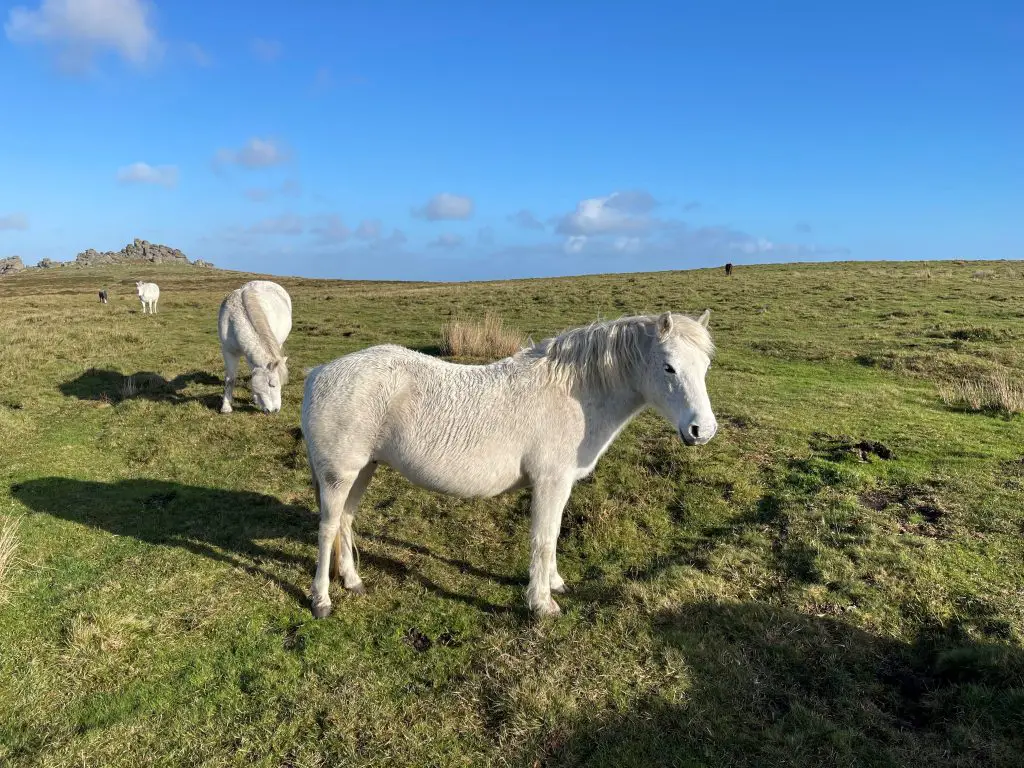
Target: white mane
pixel 605 352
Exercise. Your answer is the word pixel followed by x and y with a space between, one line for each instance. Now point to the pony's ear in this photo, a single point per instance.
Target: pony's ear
pixel 705 318
pixel 664 324
pixel 284 360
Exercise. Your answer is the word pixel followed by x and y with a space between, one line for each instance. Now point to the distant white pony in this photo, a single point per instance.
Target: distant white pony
pixel 149 295
pixel 254 321
pixel 540 419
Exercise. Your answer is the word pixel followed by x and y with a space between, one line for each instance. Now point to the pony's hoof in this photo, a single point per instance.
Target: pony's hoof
pixel 357 589
pixel 225 408
pixel 561 589
pixel 321 611
pixel 549 610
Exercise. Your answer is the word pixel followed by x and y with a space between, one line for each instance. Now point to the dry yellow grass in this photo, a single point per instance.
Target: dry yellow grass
pixel 997 392
pixel 8 547
pixel 489 338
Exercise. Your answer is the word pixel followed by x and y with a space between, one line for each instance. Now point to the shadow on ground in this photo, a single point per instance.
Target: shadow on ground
pixel 770 686
pixel 232 527
pixel 115 387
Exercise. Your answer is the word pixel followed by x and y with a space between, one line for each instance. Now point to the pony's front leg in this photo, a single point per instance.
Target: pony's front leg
pixel 230 376
pixel 334 490
pixel 548 501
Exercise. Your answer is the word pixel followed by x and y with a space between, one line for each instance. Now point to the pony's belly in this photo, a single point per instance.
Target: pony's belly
pixel 468 482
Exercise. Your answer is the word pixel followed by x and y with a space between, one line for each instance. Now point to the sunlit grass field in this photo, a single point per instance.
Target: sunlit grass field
pixel 836 579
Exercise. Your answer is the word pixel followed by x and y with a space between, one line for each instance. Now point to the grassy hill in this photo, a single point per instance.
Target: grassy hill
pixel 836 579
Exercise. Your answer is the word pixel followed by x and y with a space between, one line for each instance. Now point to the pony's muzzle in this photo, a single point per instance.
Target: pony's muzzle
pixel 698 434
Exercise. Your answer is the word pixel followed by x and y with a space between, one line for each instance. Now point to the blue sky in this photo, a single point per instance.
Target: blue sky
pixel 465 140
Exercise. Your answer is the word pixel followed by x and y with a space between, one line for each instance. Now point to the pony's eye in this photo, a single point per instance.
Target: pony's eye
pixel 669 368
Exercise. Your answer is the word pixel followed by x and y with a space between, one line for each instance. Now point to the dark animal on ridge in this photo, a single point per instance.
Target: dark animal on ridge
pixel 728 269
pixel 103 296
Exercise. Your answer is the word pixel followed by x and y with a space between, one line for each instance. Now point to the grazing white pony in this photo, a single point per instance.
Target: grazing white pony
pixel 149 295
pixel 254 321
pixel 541 418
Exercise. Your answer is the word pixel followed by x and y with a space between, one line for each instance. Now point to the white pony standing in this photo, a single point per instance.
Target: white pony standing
pixel 149 295
pixel 254 321
pixel 540 419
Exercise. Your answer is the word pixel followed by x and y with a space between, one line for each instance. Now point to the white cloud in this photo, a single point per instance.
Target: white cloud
pixel 266 50
pixel 526 220
pixel 617 213
pixel 256 153
pixel 446 240
pixel 446 206
pixel 81 29
pixel 13 221
pixel 144 173
pixel 369 229
pixel 575 243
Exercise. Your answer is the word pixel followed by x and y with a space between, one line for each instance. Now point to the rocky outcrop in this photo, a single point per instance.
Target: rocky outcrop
pixel 139 250
pixel 202 263
pixel 47 263
pixel 10 265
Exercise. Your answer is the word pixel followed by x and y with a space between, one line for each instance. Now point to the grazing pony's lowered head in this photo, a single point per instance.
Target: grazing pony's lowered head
pixel 266 384
pixel 676 365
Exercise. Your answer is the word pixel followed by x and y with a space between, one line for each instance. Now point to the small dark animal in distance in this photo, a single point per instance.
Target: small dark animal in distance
pixel 103 296
pixel 728 269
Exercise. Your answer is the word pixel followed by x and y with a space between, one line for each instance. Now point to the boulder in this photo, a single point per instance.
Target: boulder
pixel 202 263
pixel 10 265
pixel 46 263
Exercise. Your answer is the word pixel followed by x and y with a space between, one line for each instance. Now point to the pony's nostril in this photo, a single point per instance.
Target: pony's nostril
pixel 694 430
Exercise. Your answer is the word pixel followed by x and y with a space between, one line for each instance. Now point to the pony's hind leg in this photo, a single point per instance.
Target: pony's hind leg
pixel 335 486
pixel 343 563
pixel 230 376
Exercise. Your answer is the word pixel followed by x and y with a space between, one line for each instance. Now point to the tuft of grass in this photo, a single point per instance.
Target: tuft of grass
pixel 489 338
pixel 996 393
pixel 8 548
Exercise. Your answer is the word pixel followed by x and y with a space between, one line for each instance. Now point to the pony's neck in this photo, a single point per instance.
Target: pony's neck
pixel 617 407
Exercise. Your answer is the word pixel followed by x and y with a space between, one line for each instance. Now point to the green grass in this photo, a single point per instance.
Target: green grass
pixel 836 579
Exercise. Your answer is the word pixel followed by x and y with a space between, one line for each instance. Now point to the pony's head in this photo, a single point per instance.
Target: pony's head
pixel 138 287
pixel 674 379
pixel 266 384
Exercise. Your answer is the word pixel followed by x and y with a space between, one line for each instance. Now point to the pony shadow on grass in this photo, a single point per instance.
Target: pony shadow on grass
pixel 770 686
pixel 232 527
pixel 115 387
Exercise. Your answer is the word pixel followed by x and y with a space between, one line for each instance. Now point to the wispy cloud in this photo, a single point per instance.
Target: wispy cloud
pixel 288 188
pixel 286 224
pixel 446 206
pixel 13 221
pixel 803 227
pixel 446 240
pixel 526 220
pixel 266 50
pixel 144 173
pixel 485 236
pixel 691 206
pixel 197 54
pixel 369 229
pixel 256 153
pixel 330 229
pixel 78 30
